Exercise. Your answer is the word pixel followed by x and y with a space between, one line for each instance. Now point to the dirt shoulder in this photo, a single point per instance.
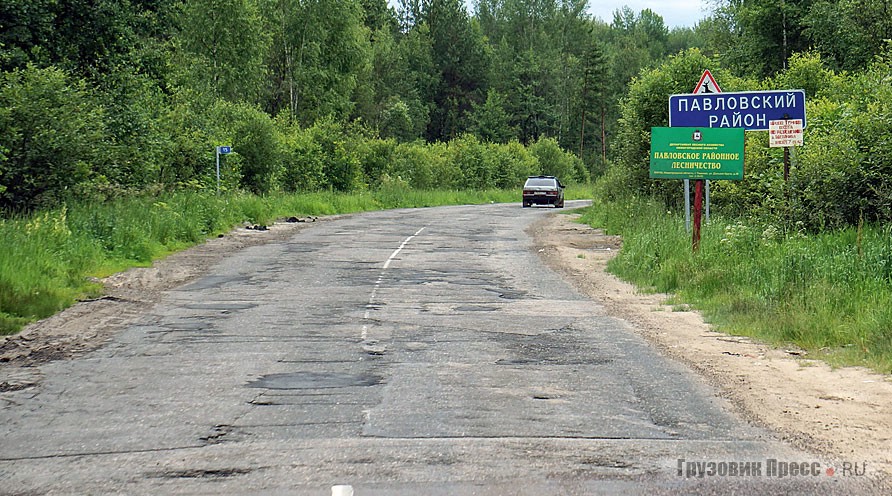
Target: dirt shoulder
pixel 843 414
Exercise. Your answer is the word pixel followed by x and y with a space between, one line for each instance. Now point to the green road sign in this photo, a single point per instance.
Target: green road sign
pixel 696 153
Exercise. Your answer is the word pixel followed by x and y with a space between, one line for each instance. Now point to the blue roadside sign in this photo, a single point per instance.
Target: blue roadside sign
pixel 225 150
pixel 751 110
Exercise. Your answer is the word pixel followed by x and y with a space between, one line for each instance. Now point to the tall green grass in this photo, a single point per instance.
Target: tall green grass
pixel 827 293
pixel 50 259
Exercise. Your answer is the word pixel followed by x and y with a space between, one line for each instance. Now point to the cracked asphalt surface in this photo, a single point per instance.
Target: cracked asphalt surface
pixel 424 351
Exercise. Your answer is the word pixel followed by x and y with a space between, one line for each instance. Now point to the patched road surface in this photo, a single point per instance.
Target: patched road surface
pixel 423 351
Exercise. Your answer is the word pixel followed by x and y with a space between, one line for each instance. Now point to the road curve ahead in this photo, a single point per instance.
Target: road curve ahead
pixel 422 351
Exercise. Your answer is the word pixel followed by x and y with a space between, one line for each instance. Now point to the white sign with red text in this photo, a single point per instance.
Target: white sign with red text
pixel 784 133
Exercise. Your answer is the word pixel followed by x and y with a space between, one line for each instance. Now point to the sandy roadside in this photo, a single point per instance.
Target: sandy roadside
pixel 843 414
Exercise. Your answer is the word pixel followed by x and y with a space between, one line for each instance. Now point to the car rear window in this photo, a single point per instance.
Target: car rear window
pixel 540 182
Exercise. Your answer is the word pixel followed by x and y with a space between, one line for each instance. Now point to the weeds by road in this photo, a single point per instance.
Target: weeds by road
pixel 825 293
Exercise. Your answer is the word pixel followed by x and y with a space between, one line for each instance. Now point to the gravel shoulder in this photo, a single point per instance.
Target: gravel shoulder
pixel 842 414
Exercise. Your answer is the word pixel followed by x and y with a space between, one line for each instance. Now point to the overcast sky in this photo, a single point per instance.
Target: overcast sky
pixel 675 13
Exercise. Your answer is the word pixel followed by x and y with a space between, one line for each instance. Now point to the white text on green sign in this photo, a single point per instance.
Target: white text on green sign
pixel 696 153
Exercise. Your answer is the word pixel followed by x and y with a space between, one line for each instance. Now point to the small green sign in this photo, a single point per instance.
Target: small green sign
pixel 696 153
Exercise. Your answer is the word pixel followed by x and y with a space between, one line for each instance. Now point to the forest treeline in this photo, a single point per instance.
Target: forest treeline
pixel 116 95
pixel 100 98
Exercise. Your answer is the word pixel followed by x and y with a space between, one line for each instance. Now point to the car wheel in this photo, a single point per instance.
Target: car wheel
pixel 526 205
pixel 560 205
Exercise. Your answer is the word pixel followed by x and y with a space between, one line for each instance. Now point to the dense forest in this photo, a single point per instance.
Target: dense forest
pixel 101 98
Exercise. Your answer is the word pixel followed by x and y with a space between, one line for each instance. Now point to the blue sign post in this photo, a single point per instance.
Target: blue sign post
pixel 750 110
pixel 221 150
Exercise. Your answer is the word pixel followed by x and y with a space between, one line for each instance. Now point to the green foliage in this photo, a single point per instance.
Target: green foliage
pixel 137 139
pixel 42 267
pixel 396 121
pixel 376 157
pixel 840 177
pixel 467 154
pixel 807 72
pixel 424 167
pixel 222 46
pixel 491 121
pixel 320 51
pixel 764 33
pixel 511 164
pixel 341 168
pixel 187 156
pixel 53 131
pixel 459 57
pixel 24 24
pixel 302 162
pixel 89 39
pixel 555 162
pixel 532 80
pixel 849 33
pixel 255 144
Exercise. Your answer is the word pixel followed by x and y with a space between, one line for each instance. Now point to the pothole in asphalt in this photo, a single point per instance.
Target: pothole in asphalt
pixel 220 306
pixel 6 387
pixel 315 380
pixel 553 361
pixel 203 473
pixel 186 326
pixel 213 282
pixel 300 248
pixel 509 294
pixel 476 308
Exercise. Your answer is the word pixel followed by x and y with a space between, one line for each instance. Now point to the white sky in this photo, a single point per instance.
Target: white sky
pixel 675 13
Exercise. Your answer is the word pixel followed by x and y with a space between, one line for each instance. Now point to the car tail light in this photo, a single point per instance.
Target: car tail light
pixel 551 193
pixel 527 192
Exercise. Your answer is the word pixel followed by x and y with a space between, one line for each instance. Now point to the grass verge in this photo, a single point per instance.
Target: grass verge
pixel 826 293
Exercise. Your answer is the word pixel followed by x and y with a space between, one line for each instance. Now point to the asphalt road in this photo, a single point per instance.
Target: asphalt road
pixel 421 351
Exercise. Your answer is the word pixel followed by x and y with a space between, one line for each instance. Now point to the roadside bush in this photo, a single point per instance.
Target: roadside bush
pixel 468 154
pixel 807 72
pixel 137 136
pixel 303 167
pixel 341 166
pixel 414 163
pixel 445 172
pixel 396 120
pixel 53 133
pixel 842 175
pixel 188 157
pixel 391 192
pixel 376 157
pixel 511 164
pixel 255 144
pixel 554 161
